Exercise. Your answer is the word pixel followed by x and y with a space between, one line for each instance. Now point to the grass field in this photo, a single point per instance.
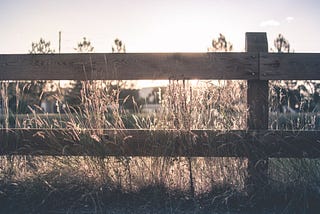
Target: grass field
pixel 43 184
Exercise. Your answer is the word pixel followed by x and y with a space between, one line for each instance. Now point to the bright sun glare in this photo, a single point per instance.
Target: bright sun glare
pixel 163 83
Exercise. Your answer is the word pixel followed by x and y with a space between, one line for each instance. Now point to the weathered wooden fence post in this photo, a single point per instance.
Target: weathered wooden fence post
pixel 257 101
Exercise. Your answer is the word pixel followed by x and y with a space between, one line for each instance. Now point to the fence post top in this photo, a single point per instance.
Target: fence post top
pixel 256 42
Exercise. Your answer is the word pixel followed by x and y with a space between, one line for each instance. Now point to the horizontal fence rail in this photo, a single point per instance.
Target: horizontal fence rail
pixel 129 66
pixel 289 66
pixel 198 143
pixel 135 66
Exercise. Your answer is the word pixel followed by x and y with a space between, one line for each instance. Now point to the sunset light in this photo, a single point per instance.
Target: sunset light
pixel 155 26
pixel 159 106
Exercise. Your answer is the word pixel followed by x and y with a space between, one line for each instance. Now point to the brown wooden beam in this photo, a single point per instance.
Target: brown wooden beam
pixel 134 66
pixel 257 101
pixel 290 66
pixel 258 90
pixel 197 143
pixel 129 66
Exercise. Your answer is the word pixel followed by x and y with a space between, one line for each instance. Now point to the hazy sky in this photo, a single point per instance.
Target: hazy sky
pixel 156 25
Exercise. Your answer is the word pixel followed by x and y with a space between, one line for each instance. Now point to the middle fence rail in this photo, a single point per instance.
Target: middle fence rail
pixel 193 143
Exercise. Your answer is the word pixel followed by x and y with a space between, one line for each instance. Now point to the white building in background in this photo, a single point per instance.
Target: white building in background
pixel 48 106
pixel 49 103
pixel 151 97
pixel 150 108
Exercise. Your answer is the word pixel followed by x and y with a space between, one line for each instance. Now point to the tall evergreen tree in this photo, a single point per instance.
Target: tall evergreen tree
pixel 220 44
pixel 41 47
pixel 73 95
pixel 282 44
pixel 118 46
pixel 30 93
pixel 292 95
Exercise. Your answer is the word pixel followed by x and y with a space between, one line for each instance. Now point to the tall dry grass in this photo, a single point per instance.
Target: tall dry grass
pixel 184 106
pixel 218 105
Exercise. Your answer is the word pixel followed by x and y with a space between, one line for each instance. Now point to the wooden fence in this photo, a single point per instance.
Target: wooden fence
pixel 257 66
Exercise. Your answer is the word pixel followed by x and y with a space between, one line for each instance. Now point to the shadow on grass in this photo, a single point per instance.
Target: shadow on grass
pixel 73 195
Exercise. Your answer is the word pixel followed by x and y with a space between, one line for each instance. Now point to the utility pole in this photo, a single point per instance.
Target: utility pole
pixel 59 85
pixel 59 42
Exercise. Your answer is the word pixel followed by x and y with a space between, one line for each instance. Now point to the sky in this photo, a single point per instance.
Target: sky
pixel 156 25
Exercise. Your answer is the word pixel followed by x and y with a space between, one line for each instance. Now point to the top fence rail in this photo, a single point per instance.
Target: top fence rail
pixel 141 66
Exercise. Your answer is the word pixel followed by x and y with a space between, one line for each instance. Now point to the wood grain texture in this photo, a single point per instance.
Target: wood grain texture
pixel 256 42
pixel 197 143
pixel 257 101
pixel 130 66
pixel 258 90
pixel 273 66
pixel 290 66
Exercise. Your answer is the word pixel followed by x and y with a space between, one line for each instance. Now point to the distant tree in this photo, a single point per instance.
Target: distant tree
pixel 118 46
pixel 41 47
pixel 128 98
pixel 73 95
pixel 84 46
pixel 286 97
pixel 220 44
pixel 292 95
pixel 282 44
pixel 30 93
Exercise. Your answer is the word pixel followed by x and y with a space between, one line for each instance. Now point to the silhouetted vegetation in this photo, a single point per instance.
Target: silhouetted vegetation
pixel 292 96
pixel 220 44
